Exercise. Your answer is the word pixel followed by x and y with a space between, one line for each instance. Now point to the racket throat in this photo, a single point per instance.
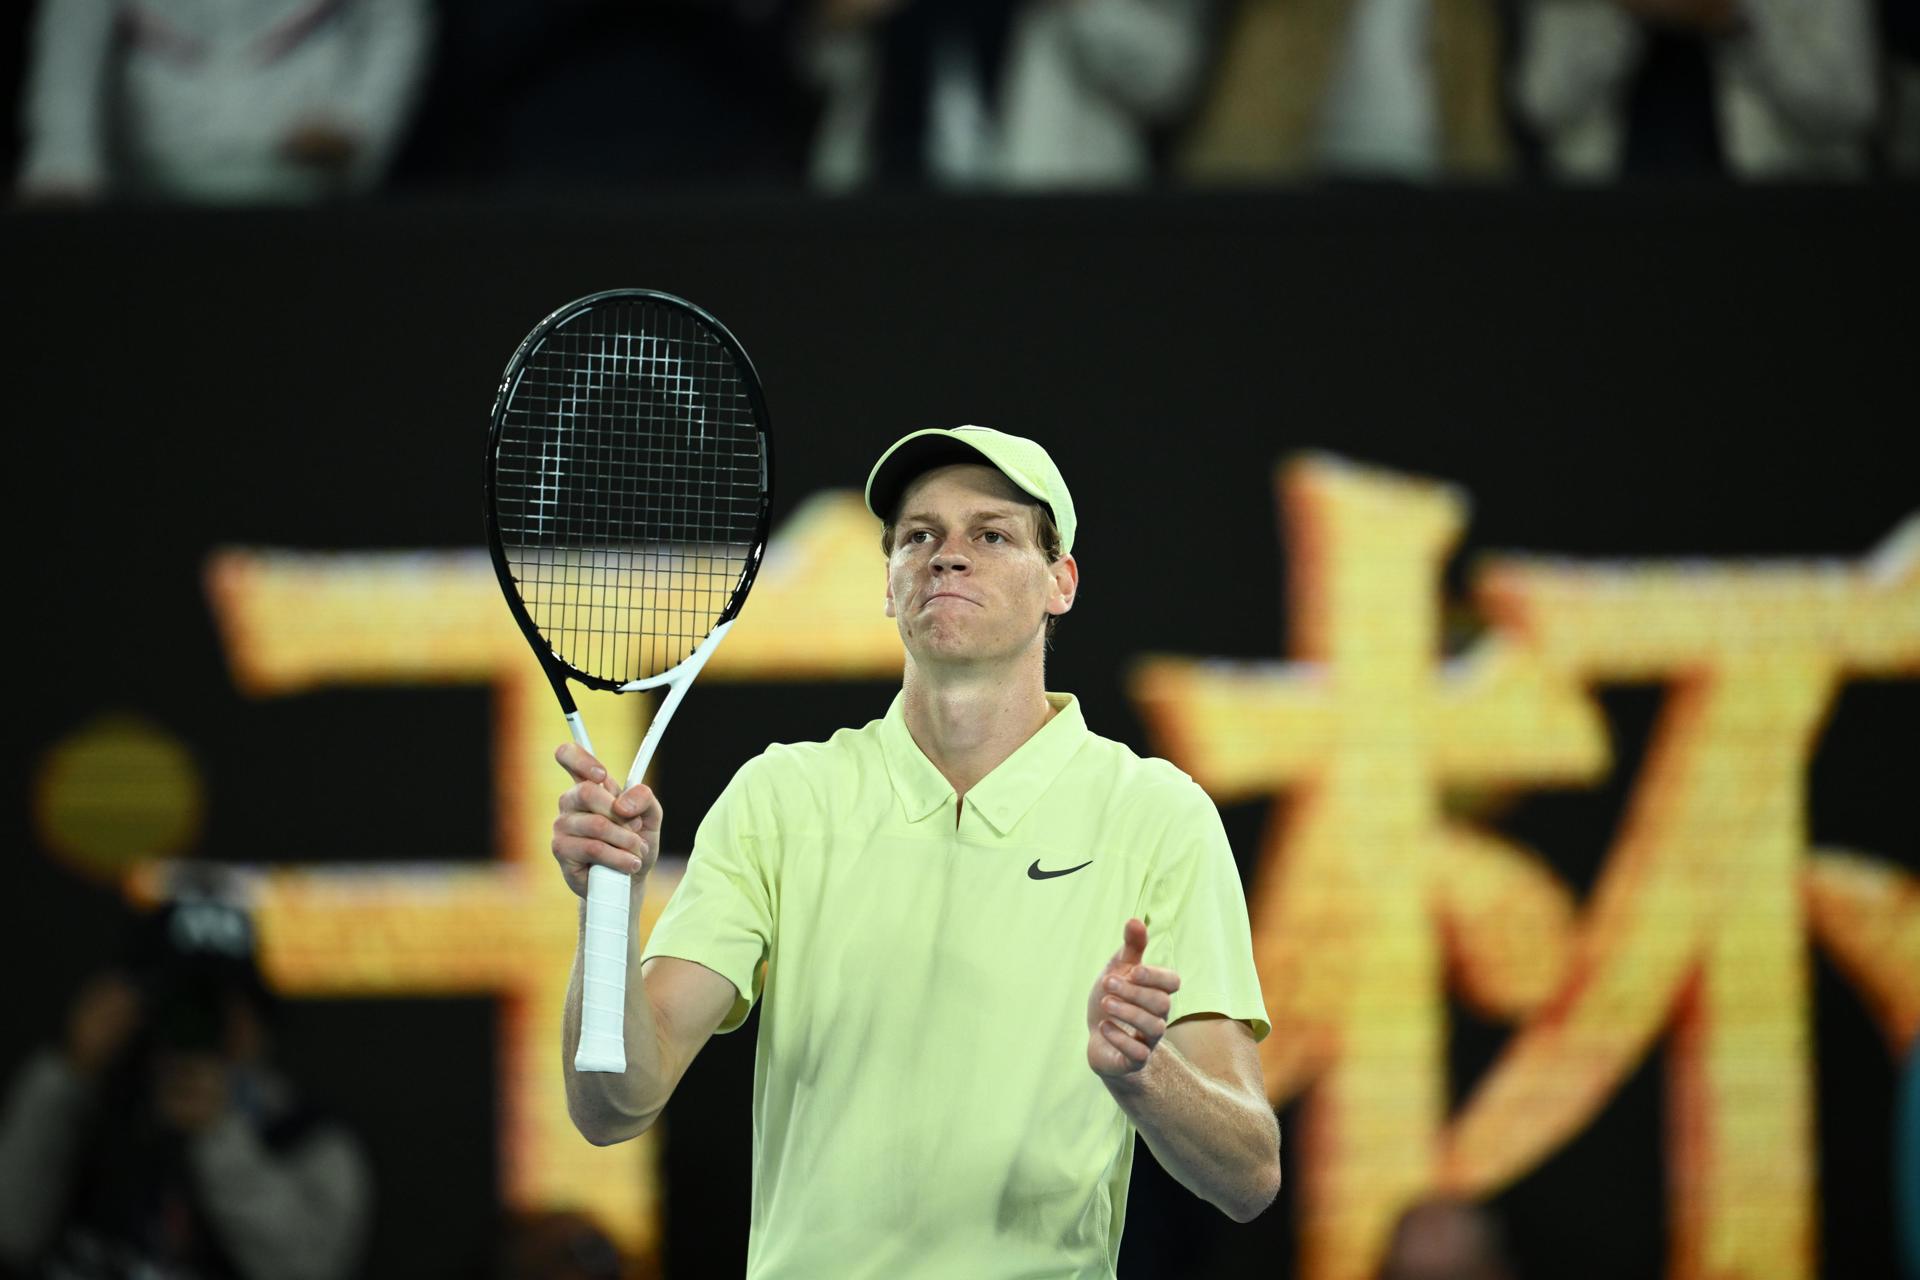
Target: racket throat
pixel 678 681
pixel 578 728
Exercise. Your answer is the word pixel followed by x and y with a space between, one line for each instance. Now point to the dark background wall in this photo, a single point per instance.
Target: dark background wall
pixel 1666 373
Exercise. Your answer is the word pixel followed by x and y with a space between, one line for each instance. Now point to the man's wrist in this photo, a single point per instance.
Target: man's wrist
pixel 1135 1086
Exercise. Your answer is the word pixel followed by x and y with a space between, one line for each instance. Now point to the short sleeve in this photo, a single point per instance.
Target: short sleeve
pixel 1196 917
pixel 721 915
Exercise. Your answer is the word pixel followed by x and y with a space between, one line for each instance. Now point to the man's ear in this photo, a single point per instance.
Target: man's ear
pixel 1066 585
pixel 889 595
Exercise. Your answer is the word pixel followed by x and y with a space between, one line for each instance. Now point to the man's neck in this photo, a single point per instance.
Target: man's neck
pixel 966 723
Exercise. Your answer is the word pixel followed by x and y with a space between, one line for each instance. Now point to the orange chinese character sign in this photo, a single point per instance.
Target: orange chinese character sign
pixel 1698 923
pixel 1366 900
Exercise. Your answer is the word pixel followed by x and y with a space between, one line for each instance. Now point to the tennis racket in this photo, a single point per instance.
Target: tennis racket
pixel 628 488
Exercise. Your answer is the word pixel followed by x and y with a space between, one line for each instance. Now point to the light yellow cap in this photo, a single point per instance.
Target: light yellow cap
pixel 1017 458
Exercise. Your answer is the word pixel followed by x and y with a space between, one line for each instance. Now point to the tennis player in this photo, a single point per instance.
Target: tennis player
pixel 988 944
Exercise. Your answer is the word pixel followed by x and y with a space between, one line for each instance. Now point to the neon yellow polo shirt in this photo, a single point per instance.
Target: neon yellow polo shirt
pixel 922 1104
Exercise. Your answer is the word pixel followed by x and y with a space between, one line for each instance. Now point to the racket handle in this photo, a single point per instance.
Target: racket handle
pixel 603 986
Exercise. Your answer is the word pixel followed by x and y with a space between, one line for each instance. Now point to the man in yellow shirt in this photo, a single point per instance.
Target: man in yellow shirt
pixel 951 1067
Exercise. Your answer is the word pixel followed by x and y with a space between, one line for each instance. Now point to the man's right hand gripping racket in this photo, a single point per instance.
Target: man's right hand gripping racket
pixel 628 490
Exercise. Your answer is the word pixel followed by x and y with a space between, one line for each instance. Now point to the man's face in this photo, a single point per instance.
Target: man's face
pixel 967 580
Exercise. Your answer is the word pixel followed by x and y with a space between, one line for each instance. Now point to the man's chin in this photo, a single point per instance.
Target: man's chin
pixel 954 647
pixel 939 640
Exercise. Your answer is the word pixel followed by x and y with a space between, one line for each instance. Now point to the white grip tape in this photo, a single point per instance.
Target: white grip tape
pixel 603 991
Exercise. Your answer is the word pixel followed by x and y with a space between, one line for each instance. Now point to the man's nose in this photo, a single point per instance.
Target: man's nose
pixel 951 556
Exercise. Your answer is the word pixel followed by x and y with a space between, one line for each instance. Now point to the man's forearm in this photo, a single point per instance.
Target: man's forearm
pixel 607 1107
pixel 1219 1142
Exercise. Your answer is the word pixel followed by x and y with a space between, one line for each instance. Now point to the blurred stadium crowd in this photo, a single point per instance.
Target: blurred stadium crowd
pixel 301 100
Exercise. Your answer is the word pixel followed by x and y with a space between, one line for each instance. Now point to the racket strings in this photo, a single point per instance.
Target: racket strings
pixel 628 487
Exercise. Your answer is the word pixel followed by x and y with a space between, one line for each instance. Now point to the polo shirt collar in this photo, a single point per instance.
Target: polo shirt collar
pixel 1003 796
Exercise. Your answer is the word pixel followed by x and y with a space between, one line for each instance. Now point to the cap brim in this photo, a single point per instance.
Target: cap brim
pixel 913 457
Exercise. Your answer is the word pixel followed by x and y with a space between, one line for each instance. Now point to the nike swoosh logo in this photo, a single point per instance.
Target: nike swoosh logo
pixel 1035 873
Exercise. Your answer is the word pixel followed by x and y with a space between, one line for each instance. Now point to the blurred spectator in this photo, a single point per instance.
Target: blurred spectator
pixel 248 100
pixel 157 1140
pixel 1753 88
pixel 610 93
pixel 1375 89
pixel 1023 93
pixel 1900 37
pixel 1446 1240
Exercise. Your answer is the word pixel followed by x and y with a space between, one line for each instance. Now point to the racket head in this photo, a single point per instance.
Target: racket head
pixel 629 485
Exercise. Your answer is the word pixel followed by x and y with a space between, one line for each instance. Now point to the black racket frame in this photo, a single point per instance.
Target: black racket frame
pixel 558 669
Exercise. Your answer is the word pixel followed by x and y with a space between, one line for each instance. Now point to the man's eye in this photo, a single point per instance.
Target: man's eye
pixel 994 535
pixel 918 535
